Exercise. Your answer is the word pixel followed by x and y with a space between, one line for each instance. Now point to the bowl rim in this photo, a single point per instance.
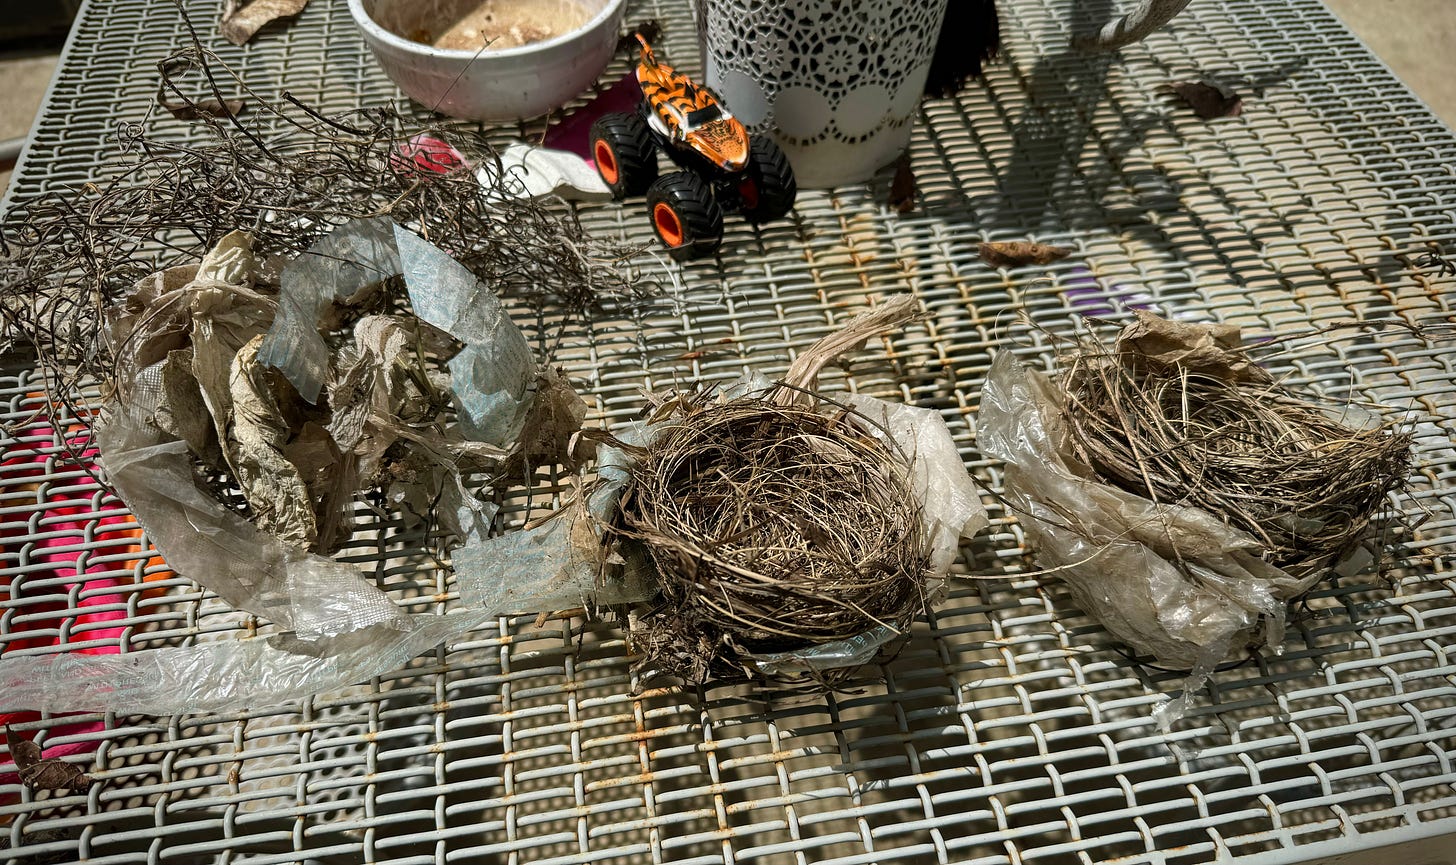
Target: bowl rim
pixel 365 22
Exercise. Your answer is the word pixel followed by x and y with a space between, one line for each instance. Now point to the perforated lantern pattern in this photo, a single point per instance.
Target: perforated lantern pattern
pixel 836 83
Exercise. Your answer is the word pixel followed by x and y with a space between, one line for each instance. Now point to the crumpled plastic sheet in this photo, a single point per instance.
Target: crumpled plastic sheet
pixel 851 652
pixel 539 172
pixel 338 627
pixel 953 510
pixel 358 254
pixel 490 377
pixel 221 676
pixel 257 450
pixel 557 565
pixel 1173 582
pixel 343 629
pixel 494 370
pixel 250 569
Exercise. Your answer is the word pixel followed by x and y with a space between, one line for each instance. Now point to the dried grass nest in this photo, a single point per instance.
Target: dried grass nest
pixel 772 528
pixel 1182 414
pixel 776 521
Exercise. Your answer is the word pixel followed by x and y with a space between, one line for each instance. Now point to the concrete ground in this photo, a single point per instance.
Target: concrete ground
pixel 1415 37
pixel 25 80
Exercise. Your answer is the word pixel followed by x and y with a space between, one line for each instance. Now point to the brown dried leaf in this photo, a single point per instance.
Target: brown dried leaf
pixel 39 773
pixel 554 419
pixel 903 188
pixel 240 26
pixel 203 108
pixel 1213 350
pixel 1018 252
pixel 1208 101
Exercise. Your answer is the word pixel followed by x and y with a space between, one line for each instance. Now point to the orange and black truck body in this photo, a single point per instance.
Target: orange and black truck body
pixel 721 166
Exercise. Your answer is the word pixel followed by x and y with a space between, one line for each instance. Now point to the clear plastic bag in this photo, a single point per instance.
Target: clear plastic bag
pixel 337 627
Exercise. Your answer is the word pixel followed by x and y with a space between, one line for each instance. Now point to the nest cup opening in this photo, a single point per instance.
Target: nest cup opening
pixel 1305 476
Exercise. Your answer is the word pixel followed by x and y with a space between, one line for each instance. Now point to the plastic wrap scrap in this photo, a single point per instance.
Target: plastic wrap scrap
pixel 533 171
pixel 195 348
pixel 559 564
pixel 1176 583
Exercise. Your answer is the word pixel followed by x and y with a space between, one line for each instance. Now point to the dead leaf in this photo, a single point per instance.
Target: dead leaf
pixel 650 30
pixel 240 26
pixel 555 417
pixel 1208 101
pixel 903 188
pixel 40 773
pixel 1212 350
pixel 1021 252
pixel 203 108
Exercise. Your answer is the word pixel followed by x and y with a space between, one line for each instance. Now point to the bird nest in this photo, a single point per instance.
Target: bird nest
pixel 792 534
pixel 772 528
pixel 1183 415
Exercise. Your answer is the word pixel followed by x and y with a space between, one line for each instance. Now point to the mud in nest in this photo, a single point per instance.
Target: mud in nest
pixel 772 528
pixel 1183 415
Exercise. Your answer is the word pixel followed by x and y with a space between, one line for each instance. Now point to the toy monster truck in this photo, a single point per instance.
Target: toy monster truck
pixel 723 167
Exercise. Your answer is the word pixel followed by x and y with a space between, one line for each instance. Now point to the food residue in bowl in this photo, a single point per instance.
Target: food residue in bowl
pixel 502 24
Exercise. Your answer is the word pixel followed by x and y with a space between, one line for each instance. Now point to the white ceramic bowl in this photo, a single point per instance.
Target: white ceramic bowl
pixel 508 84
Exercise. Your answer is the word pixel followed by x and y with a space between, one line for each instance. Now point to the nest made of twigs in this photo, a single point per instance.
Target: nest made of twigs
pixel 1304 476
pixel 772 528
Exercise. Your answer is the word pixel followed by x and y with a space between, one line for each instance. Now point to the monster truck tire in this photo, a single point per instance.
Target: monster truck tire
pixel 626 159
pixel 767 190
pixel 685 215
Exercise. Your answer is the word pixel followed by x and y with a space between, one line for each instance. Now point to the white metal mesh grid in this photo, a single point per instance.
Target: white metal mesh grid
pixel 1011 729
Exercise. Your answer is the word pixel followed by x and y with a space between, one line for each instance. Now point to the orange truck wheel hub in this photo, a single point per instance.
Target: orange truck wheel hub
pixel 669 227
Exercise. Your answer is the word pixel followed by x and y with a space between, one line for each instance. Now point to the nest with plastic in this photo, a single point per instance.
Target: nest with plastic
pixel 788 531
pixel 219 194
pixel 1205 426
pixel 1184 493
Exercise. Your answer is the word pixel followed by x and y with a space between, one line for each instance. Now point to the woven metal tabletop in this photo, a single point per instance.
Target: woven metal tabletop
pixel 1011 728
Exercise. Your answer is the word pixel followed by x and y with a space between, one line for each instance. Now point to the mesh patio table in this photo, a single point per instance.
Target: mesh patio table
pixel 1010 728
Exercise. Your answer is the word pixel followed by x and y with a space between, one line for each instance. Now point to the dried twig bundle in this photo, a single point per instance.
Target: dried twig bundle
pixel 772 528
pixel 288 175
pixel 1184 416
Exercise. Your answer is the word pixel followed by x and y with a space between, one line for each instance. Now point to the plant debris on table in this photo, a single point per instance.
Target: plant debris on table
pixel 1019 252
pixel 902 186
pixel 240 25
pixel 1208 101
pixel 42 773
